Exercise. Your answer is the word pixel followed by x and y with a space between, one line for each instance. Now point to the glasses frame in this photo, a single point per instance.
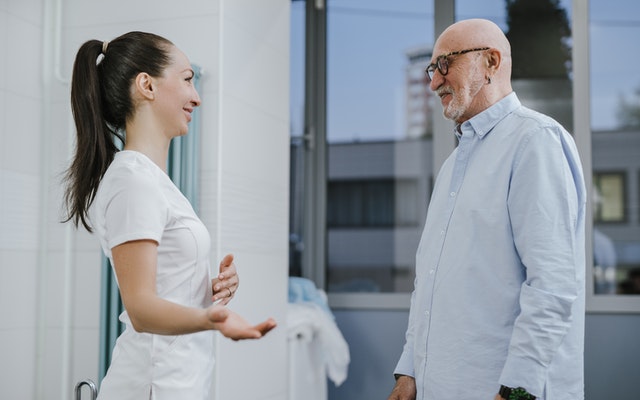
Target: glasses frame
pixel 442 62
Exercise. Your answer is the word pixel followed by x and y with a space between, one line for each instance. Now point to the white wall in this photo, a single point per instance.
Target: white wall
pixel 252 197
pixel 49 309
pixel 20 108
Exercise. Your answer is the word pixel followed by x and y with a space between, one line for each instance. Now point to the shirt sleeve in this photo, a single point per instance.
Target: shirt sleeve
pixel 546 206
pixel 137 209
pixel 405 364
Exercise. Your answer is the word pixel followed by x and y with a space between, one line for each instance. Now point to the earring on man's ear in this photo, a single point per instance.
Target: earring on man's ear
pixel 488 80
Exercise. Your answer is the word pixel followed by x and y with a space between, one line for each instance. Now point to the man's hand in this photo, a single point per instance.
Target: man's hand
pixel 405 389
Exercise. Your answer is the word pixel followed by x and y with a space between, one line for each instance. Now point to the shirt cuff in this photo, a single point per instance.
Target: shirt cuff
pixel 405 365
pixel 521 372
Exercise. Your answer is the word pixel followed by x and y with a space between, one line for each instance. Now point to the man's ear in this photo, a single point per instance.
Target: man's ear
pixel 144 86
pixel 493 59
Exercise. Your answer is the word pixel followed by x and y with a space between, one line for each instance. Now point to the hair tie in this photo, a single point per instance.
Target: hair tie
pixel 105 44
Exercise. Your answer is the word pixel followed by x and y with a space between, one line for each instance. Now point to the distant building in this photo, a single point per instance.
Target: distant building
pixel 419 98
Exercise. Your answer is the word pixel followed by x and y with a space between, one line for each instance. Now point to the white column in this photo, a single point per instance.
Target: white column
pixel 245 185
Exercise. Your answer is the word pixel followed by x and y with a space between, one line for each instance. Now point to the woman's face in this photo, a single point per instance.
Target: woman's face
pixel 176 97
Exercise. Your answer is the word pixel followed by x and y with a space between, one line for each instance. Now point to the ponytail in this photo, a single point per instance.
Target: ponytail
pixel 101 104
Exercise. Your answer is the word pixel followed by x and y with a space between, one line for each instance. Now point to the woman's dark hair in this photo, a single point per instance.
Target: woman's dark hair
pixel 101 104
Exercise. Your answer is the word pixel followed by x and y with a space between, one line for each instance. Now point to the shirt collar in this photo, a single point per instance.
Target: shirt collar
pixel 484 122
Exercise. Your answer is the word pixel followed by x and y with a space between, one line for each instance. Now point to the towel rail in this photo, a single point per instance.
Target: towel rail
pixel 92 388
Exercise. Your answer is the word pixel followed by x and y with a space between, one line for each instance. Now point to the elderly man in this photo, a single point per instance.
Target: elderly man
pixel 497 310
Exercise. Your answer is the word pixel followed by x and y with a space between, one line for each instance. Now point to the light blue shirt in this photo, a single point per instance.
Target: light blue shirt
pixel 499 288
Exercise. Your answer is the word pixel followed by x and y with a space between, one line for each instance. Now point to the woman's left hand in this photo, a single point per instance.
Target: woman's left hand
pixel 226 283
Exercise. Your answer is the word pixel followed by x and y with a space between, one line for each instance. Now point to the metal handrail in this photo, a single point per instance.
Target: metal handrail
pixel 92 387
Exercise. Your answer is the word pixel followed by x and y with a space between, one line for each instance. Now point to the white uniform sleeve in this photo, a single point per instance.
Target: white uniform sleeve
pixel 136 210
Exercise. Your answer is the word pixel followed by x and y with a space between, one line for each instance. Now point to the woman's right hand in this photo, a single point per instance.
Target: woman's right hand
pixel 234 326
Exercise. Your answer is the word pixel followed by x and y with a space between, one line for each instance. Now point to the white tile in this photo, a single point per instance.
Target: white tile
pixel 19 212
pixel 87 272
pixel 82 13
pixel 57 232
pixel 209 205
pixel 55 290
pixel 18 289
pixel 258 146
pixel 21 147
pixel 73 290
pixel 85 241
pixel 27 10
pixel 24 59
pixel 52 364
pixel 17 369
pixel 209 132
pixel 3 113
pixel 4 44
pixel 266 369
pixel 255 73
pixel 86 353
pixel 268 21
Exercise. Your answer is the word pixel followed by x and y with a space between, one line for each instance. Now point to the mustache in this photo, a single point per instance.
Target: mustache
pixel 441 91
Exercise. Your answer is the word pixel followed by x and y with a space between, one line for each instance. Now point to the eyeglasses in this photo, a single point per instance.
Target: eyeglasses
pixel 442 62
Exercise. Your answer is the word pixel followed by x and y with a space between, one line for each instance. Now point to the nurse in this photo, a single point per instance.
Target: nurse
pixel 139 88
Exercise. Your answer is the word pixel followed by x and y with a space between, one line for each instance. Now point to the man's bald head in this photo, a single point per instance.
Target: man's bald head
pixel 472 33
pixel 478 75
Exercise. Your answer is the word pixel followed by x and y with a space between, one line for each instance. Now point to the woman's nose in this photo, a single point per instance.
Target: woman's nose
pixel 196 100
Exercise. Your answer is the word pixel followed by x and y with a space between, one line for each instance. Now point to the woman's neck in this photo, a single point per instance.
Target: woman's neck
pixel 148 141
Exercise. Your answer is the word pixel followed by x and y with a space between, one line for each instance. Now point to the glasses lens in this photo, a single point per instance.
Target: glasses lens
pixel 430 70
pixel 443 65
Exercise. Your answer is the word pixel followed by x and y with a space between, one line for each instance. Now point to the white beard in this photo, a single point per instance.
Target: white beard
pixel 462 98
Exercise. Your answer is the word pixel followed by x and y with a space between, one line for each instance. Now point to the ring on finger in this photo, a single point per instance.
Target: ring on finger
pixel 230 292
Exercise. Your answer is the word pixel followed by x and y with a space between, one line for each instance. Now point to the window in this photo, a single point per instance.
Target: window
pixel 360 204
pixel 615 152
pixel 609 197
pixel 379 142
pixel 345 107
pixel 363 155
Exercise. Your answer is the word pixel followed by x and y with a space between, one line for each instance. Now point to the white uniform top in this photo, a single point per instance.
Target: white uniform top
pixel 137 200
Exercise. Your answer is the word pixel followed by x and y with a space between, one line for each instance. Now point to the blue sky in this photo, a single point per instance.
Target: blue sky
pixel 367 41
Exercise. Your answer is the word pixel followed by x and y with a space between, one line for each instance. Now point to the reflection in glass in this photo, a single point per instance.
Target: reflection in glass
pixel 540 36
pixel 615 122
pixel 379 127
pixel 609 197
pixel 296 113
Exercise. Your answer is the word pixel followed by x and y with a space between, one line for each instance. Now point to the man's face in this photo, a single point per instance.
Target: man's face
pixel 459 87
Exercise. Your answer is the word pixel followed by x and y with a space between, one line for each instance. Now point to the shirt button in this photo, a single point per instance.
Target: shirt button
pixel 426 312
pixel 431 272
pixel 452 194
pixel 441 232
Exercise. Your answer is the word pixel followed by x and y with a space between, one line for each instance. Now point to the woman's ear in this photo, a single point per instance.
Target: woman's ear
pixel 144 86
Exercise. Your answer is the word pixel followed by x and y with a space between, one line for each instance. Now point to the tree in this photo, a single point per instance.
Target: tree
pixel 629 111
pixel 540 35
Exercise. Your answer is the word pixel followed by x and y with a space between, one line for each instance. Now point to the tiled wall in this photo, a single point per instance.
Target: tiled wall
pixel 20 105
pixel 50 274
